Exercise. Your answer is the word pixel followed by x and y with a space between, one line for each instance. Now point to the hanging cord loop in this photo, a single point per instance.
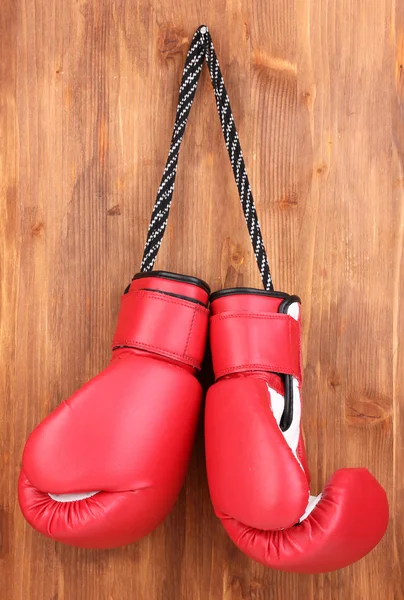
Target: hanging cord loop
pixel 202 48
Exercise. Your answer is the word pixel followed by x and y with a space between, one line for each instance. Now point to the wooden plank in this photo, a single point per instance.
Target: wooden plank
pixel 9 255
pixel 87 104
pixel 397 529
pixel 345 249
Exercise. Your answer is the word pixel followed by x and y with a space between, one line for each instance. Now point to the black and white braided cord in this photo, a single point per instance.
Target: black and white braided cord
pixel 202 48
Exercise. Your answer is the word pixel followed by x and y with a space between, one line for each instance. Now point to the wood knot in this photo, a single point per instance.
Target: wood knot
pixel 288 201
pixel 237 257
pixel 170 40
pixel 232 259
pixel 115 210
pixel 334 382
pixel 322 169
pixel 364 412
pixel 306 99
pixel 37 228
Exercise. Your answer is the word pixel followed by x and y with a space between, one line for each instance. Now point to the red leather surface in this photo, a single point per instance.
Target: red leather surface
pixel 257 341
pixel 247 459
pixel 249 303
pixel 348 522
pixel 128 434
pixel 257 486
pixel 162 324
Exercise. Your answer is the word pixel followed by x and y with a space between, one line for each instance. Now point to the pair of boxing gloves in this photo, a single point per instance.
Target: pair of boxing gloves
pixel 105 468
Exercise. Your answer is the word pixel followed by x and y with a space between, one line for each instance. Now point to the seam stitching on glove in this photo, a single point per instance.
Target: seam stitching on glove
pixel 276 317
pixel 192 360
pixel 155 296
pixel 259 366
pixel 189 333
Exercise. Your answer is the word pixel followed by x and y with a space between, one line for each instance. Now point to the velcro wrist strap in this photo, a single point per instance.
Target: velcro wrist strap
pixel 243 342
pixel 162 324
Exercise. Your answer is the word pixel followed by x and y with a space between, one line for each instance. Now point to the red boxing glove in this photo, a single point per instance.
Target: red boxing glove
pixel 105 468
pixel 256 461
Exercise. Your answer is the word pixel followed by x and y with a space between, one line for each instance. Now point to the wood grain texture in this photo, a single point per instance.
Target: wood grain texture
pixel 87 101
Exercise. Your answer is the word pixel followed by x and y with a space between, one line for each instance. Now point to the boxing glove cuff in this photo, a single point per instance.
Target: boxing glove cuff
pixel 163 323
pixel 242 342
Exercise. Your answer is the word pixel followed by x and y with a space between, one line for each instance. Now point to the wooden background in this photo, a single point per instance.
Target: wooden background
pixel 87 103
